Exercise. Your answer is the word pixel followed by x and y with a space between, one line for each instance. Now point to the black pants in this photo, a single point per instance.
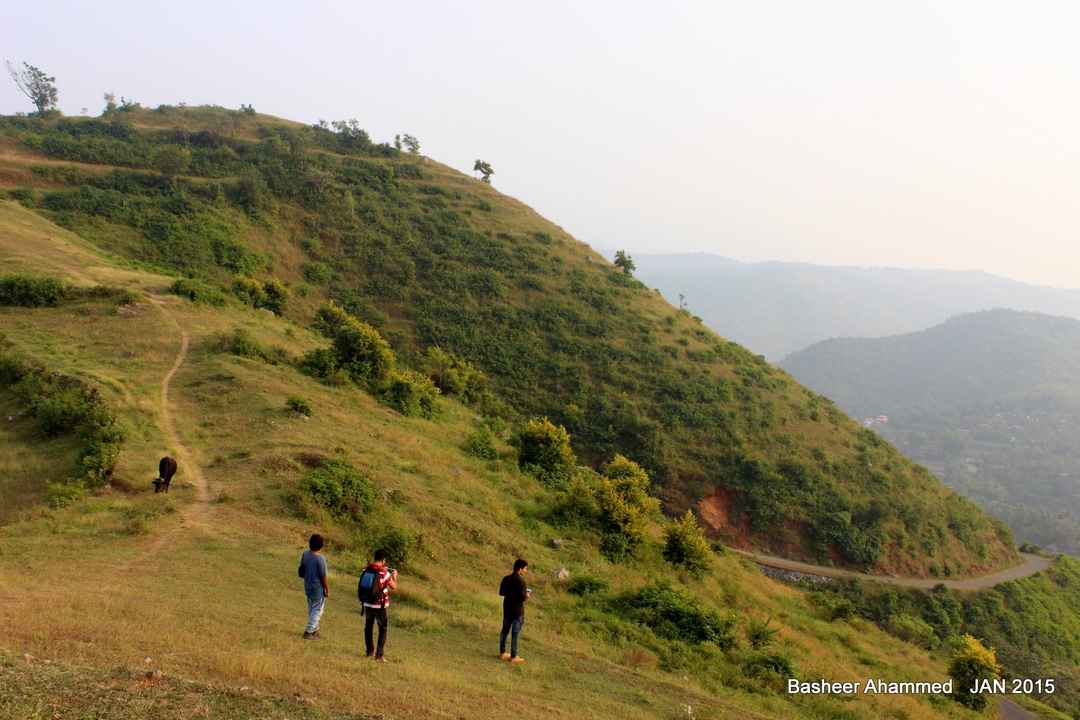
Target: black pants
pixel 376 615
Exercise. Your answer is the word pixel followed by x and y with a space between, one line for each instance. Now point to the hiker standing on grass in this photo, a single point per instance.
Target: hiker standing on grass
pixel 374 588
pixel 514 593
pixel 313 570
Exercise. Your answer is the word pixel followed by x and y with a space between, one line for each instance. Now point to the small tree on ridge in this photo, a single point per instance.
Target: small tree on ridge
pixel 35 85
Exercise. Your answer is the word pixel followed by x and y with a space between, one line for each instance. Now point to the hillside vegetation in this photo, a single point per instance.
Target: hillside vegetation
pixel 103 590
pixel 990 401
pixel 282 217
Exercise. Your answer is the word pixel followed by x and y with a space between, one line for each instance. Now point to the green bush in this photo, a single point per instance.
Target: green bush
pixel 587 585
pixel 299 405
pixel 481 443
pixel 675 615
pixel 544 452
pixel 31 291
pixel 241 343
pixel 685 545
pixel 411 393
pixel 398 544
pixel 270 295
pixel 616 504
pixel 971 662
pixel 362 352
pixel 317 273
pixel 759 634
pixel 340 488
pixel 61 494
pixel 913 630
pixel 455 376
pixel 776 664
pixel 198 292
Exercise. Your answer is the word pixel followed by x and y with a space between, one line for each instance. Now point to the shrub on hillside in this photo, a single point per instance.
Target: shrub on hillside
pixel 587 585
pixel 972 662
pixel 759 634
pixel 616 504
pixel 676 615
pixel 362 352
pixel 64 405
pixel 544 452
pixel 685 545
pixel 341 489
pixel 31 291
pixel 269 295
pixel 914 630
pixel 198 292
pixel 242 344
pixel 399 545
pixel 317 273
pixel 481 443
pixel 298 405
pixel 411 393
pixel 454 375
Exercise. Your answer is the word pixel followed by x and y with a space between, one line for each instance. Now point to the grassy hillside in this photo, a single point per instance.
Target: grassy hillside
pixel 201 584
pixel 988 400
pixel 434 258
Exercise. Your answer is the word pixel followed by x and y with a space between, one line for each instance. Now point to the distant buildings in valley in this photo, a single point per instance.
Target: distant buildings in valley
pixel 875 421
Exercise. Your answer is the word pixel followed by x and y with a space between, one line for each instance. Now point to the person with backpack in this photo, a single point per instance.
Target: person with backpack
pixel 376 583
pixel 514 593
pixel 313 570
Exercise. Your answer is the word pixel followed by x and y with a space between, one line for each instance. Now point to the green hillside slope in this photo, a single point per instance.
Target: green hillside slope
pixel 434 258
pixel 99 592
pixel 990 401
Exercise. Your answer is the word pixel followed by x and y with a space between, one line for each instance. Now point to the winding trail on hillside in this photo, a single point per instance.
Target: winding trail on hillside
pixel 1030 565
pixel 187 466
pixel 1008 710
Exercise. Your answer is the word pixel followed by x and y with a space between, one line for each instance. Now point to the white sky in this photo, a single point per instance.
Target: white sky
pixel 874 133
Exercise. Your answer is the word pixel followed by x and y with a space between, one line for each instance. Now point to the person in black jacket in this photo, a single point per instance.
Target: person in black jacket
pixel 514 593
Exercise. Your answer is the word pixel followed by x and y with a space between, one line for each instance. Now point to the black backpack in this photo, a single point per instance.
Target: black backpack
pixel 369 589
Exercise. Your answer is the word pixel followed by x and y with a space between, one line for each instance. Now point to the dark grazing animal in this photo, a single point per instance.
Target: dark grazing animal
pixel 166 470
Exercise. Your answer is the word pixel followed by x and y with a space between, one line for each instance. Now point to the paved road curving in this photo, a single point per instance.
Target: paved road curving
pixel 1008 710
pixel 1030 565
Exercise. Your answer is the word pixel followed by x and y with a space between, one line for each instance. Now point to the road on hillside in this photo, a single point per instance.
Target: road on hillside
pixel 1008 710
pixel 1030 565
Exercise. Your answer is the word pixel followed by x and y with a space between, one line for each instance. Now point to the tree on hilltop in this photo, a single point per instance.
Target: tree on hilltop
pixel 485 169
pixel 36 85
pixel 625 262
pixel 411 144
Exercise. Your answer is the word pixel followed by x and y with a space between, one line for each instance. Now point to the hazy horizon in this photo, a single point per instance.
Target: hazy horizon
pixel 835 133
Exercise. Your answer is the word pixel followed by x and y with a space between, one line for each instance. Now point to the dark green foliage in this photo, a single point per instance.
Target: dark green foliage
pixel 38 87
pixel 616 504
pixel 411 393
pixel 317 273
pixel 685 545
pixel 31 291
pixel 198 291
pixel 340 488
pixel 759 634
pixel 676 615
pixel 455 376
pixel 64 405
pixel 625 263
pixel 587 585
pixel 241 343
pixel 269 295
pixel 776 664
pixel 544 452
pixel 481 443
pixel 298 405
pixel 399 545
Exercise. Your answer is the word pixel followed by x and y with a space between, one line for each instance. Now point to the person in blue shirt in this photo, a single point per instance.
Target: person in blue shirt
pixel 313 570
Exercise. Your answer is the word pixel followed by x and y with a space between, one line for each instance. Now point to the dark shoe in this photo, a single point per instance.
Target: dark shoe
pixel 310 636
pixel 317 635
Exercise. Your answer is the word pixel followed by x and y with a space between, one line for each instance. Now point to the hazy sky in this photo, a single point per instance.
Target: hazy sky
pixel 903 133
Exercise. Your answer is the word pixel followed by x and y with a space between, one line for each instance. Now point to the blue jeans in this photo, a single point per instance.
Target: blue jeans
pixel 315 605
pixel 511 626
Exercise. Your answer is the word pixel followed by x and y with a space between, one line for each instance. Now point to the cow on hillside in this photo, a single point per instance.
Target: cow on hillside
pixel 166 470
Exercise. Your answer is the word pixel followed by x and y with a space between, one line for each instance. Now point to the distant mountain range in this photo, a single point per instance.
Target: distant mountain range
pixel 776 308
pixel 990 401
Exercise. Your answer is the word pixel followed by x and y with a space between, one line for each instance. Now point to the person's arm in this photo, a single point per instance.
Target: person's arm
pixel 322 578
pixel 391 580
